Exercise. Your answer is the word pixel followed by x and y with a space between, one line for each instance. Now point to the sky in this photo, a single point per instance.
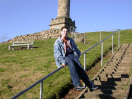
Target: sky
pixel 21 17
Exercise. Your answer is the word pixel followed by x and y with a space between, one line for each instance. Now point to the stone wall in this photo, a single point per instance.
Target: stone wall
pixel 46 34
pixel 78 37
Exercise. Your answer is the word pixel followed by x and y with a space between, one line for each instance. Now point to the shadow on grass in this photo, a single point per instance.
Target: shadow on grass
pixel 23 48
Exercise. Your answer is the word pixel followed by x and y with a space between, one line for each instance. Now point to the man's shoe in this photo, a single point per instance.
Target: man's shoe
pixel 79 87
pixel 94 88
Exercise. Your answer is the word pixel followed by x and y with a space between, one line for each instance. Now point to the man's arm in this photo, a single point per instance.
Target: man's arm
pixel 58 55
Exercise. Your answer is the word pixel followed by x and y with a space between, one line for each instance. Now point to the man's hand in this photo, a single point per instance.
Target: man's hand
pixel 63 65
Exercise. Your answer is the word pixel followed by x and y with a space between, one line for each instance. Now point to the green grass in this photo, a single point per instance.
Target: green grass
pixel 21 68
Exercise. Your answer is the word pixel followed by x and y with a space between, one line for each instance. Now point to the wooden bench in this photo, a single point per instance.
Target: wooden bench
pixel 29 44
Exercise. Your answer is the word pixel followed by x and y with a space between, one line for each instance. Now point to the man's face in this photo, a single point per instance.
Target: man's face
pixel 64 33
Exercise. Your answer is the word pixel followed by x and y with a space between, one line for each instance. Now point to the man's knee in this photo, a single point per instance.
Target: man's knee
pixel 68 59
pixel 70 63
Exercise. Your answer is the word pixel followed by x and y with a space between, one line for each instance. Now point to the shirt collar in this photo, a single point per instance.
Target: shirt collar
pixel 61 40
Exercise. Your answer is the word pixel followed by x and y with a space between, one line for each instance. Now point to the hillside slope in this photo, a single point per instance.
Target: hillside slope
pixel 21 68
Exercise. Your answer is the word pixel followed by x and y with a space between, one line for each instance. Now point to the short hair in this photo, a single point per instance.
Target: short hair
pixel 64 27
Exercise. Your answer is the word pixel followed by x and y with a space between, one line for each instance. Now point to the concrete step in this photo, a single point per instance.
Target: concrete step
pixel 104 96
pixel 124 46
pixel 123 67
pixel 110 87
pixel 126 61
pixel 118 55
pixel 111 79
pixel 114 83
pixel 116 70
pixel 111 63
pixel 127 56
pixel 107 72
pixel 126 64
pixel 114 78
pixel 122 72
pixel 114 75
pixel 122 62
pixel 118 67
pixel 106 91
pixel 119 72
pixel 116 58
pixel 129 52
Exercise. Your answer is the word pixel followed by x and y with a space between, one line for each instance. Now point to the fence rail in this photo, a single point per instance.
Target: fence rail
pixel 41 80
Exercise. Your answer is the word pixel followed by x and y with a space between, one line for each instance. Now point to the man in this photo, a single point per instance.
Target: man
pixel 67 53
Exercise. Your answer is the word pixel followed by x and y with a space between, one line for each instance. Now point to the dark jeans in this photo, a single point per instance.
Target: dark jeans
pixel 77 71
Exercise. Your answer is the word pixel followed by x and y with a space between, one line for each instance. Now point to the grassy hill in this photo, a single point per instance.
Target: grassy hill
pixel 21 68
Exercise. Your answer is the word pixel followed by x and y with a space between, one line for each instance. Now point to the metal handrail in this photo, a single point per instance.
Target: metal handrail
pixel 98 43
pixel 22 92
pixel 41 80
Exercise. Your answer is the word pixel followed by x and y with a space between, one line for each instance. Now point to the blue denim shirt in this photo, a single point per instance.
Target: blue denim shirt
pixel 59 52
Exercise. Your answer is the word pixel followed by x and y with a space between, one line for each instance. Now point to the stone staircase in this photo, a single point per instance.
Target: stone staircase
pixel 113 79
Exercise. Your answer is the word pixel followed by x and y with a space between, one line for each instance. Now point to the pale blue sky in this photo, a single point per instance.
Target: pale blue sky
pixel 20 17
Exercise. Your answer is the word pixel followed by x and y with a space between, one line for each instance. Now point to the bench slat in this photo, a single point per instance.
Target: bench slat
pixel 26 43
pixel 19 44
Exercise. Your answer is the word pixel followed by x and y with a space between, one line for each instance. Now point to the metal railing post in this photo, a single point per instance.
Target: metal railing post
pixel 118 37
pixel 41 89
pixel 102 54
pixel 112 44
pixel 84 61
pixel 84 65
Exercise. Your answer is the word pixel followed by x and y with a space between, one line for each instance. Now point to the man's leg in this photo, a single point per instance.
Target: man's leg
pixel 73 72
pixel 82 74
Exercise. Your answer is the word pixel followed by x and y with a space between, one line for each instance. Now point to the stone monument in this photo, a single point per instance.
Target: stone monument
pixel 63 18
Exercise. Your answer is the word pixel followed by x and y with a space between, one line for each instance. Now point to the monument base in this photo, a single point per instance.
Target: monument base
pixel 62 21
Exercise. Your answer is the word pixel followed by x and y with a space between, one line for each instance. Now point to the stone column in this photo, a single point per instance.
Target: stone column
pixel 63 8
pixel 63 17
